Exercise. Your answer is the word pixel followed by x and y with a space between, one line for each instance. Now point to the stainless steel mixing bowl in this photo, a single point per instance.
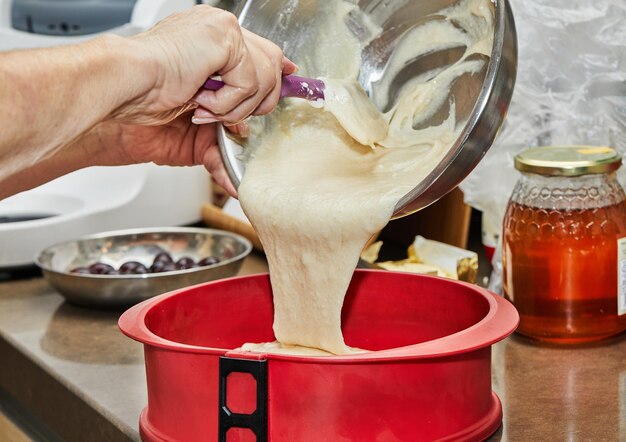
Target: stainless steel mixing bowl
pixel 481 99
pixel 115 248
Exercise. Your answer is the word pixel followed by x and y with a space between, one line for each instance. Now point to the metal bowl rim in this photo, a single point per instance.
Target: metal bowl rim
pixel 114 233
pixel 501 33
pixel 487 89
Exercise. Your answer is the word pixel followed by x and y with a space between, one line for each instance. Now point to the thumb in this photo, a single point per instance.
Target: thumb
pixel 289 67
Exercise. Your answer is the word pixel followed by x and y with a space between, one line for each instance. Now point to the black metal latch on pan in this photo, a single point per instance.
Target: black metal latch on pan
pixel 255 421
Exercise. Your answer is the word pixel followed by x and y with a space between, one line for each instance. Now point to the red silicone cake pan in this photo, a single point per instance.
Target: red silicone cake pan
pixel 428 376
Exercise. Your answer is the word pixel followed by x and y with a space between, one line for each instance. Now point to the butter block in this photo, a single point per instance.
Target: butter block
pixel 455 262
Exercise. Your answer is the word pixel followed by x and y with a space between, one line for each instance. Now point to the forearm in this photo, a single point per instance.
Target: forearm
pixel 115 100
pixel 90 149
pixel 51 97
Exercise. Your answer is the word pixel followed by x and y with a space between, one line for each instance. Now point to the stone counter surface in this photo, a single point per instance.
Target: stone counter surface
pixel 72 370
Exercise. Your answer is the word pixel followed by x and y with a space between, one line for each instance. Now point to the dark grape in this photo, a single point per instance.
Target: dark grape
pixel 163 262
pixel 133 268
pixel 100 268
pixel 209 260
pixel 160 267
pixel 157 267
pixel 185 263
pixel 163 257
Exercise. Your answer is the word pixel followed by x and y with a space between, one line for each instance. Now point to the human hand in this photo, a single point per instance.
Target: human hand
pixel 187 48
pixel 109 85
pixel 176 143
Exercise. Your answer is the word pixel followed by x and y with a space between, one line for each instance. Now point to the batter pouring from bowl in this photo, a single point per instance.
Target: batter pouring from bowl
pixel 320 182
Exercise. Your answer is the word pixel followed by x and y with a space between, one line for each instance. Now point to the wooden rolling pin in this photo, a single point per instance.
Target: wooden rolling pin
pixel 215 217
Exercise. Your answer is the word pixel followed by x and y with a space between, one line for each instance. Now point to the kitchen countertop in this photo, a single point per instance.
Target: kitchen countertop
pixel 77 377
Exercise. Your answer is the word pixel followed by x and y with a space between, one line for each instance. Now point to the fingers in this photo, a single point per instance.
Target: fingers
pixel 205 144
pixel 266 52
pixel 185 49
pixel 242 129
pixel 252 82
pixel 289 67
pixel 206 152
pixel 213 163
pixel 202 116
pixel 245 86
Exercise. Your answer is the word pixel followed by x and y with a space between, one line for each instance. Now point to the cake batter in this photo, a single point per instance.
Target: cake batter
pixel 320 182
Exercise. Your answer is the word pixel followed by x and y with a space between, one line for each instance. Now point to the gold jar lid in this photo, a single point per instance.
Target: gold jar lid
pixel 568 160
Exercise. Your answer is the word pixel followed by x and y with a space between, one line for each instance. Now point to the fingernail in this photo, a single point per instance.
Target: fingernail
pixel 203 113
pixel 243 129
pixel 198 120
pixel 289 67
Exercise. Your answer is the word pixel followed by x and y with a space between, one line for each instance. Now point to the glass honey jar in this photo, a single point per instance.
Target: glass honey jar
pixel 564 244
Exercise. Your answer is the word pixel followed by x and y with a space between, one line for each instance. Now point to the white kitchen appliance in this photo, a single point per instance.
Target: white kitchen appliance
pixel 98 198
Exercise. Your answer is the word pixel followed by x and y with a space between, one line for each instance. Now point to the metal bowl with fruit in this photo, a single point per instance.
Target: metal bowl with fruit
pixel 120 268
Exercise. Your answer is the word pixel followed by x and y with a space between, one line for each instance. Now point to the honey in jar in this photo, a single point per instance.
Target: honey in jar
pixel 564 244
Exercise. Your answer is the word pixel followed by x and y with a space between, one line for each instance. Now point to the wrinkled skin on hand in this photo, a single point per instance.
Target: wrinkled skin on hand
pixel 117 100
pixel 175 143
pixel 250 66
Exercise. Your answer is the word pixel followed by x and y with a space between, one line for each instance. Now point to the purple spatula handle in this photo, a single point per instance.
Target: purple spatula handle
pixel 292 86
